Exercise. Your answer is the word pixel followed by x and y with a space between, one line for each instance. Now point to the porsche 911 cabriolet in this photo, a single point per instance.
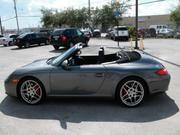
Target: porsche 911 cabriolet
pixel 127 76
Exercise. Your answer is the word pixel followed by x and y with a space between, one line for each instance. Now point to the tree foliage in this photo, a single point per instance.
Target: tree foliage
pixel 175 16
pixel 80 17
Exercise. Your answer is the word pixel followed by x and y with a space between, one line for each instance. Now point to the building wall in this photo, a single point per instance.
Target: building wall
pixel 146 21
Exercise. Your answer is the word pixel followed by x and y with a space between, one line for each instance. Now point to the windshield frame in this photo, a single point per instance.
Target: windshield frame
pixel 63 56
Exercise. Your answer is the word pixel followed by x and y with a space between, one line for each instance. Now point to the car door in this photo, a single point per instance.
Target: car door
pixel 79 80
pixel 74 35
pixel 33 39
pixel 81 37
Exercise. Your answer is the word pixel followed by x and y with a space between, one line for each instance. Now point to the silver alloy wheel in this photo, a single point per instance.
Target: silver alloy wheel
pixel 31 91
pixel 132 93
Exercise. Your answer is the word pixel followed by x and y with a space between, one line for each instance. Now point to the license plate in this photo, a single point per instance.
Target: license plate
pixel 56 37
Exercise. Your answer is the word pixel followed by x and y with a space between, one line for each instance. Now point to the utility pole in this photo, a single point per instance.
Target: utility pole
pixel 15 9
pixel 136 43
pixel 1 26
pixel 89 10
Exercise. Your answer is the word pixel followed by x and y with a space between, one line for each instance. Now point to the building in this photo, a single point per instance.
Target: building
pixel 146 21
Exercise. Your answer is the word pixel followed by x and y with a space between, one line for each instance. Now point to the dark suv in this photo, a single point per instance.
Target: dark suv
pixel 67 37
pixel 28 39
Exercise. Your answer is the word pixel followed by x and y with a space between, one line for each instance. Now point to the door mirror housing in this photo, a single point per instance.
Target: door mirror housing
pixel 65 65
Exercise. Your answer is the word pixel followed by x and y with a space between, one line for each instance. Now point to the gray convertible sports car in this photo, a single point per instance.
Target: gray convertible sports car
pixel 127 76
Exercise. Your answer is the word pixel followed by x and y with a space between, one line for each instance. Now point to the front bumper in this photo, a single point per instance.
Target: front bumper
pixel 10 88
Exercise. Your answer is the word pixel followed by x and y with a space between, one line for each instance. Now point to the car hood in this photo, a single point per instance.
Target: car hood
pixel 35 66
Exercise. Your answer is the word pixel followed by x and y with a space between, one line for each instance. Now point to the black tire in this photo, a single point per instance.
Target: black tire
pixel 128 95
pixel 19 46
pixel 56 47
pixel 26 98
pixel 86 43
pixel 47 42
pixel 27 45
pixel 10 43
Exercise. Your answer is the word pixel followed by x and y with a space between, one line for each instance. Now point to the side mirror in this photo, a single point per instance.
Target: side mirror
pixel 65 65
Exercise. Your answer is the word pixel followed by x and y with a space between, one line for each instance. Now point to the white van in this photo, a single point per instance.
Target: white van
pixel 120 33
pixel 158 28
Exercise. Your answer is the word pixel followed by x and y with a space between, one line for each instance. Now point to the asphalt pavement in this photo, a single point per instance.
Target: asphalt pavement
pixel 158 115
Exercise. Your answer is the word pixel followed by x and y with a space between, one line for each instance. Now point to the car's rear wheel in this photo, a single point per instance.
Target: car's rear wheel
pixel 56 47
pixel 27 45
pixel 47 42
pixel 31 91
pixel 131 92
pixel 10 43
pixel 86 43
pixel 19 46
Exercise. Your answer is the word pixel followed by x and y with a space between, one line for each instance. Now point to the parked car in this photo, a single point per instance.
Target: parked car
pixel 120 33
pixel 2 39
pixel 177 35
pixel 166 33
pixel 97 33
pixel 158 27
pixel 68 37
pixel 87 32
pixel 9 40
pixel 1 36
pixel 27 39
pixel 127 76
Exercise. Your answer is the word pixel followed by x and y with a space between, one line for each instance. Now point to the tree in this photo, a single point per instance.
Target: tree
pixel 104 17
pixel 175 16
pixel 47 18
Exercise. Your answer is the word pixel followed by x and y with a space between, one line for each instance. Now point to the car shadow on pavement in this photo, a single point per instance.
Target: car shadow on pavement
pixel 58 51
pixel 77 110
pixel 172 63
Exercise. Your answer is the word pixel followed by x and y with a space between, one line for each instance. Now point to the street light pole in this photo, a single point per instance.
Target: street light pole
pixel 136 43
pixel 89 9
pixel 15 9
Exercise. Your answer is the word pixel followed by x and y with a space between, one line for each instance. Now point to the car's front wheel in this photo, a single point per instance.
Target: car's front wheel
pixel 131 92
pixel 31 91
pixel 27 45
pixel 56 47
pixel 10 43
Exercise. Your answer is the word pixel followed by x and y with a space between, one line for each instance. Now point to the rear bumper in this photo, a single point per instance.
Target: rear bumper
pixel 159 85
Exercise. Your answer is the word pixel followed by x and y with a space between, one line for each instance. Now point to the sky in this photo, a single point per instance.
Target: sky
pixel 32 8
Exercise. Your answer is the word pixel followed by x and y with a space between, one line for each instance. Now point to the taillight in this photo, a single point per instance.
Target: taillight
pixel 162 72
pixel 63 39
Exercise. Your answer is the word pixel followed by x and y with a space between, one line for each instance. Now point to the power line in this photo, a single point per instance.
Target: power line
pixel 29 16
pixel 8 19
pixel 143 3
pixel 150 2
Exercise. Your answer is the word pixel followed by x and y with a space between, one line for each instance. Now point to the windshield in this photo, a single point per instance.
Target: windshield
pixel 57 32
pixel 121 28
pixel 22 35
pixel 57 60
